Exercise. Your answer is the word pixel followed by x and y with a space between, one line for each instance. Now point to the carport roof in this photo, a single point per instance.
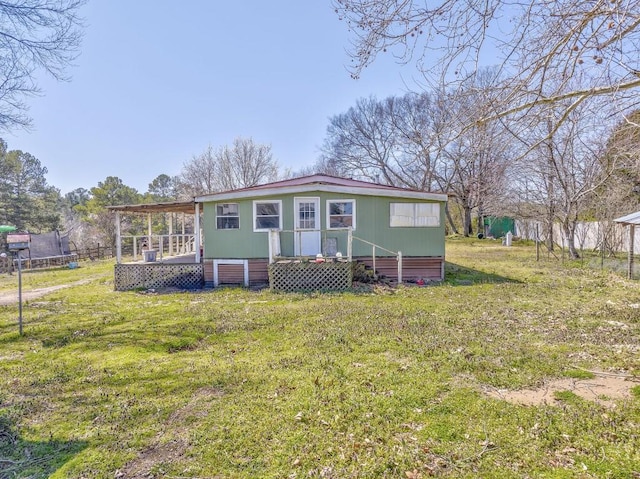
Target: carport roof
pixel 631 219
pixel 168 207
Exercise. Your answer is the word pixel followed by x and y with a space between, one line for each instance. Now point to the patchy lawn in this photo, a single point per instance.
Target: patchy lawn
pixel 410 382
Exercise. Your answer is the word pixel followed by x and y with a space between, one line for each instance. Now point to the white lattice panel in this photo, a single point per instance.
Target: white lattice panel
pixel 309 276
pixel 155 276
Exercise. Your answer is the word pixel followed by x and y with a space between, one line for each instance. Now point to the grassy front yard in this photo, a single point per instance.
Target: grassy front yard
pixel 379 383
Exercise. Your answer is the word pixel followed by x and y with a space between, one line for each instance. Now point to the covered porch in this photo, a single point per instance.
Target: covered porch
pixel 159 260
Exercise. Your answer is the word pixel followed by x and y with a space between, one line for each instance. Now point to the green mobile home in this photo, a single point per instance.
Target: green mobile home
pixel 322 218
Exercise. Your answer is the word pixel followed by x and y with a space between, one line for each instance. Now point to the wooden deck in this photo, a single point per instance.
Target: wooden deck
pixel 180 271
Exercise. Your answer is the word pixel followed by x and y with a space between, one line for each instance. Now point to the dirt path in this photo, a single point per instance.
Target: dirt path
pixel 11 297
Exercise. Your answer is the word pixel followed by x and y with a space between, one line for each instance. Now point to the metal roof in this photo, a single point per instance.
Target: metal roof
pixel 631 219
pixel 325 183
pixel 294 185
pixel 168 207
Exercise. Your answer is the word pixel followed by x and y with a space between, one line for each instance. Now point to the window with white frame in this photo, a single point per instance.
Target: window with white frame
pixel 414 215
pixel 341 214
pixel 267 215
pixel 227 216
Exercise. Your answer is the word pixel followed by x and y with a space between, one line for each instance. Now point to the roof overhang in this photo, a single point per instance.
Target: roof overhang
pixel 325 188
pixel 168 207
pixel 631 219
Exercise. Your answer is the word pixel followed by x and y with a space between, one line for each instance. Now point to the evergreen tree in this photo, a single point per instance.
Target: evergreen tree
pixel 26 200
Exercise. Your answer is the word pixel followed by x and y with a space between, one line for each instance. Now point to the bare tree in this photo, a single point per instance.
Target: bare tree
pixel 622 194
pixel 390 141
pixel 34 35
pixel 540 46
pixel 245 164
pixel 241 165
pixel 565 169
pixel 421 141
pixel 476 156
pixel 362 142
pixel 198 175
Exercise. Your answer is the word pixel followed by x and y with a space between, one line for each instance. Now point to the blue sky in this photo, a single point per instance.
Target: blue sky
pixel 158 81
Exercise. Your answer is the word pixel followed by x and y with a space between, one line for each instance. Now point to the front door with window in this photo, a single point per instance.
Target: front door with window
pixel 307 226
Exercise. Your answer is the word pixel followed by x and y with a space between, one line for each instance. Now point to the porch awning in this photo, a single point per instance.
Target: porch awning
pixel 168 207
pixel 190 207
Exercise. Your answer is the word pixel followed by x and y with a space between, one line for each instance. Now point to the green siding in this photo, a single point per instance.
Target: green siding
pixel 372 224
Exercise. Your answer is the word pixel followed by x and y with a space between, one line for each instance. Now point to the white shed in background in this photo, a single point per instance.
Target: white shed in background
pixel 631 221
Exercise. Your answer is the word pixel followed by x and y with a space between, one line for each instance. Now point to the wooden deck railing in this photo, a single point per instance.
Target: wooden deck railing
pixel 173 244
pixel 397 254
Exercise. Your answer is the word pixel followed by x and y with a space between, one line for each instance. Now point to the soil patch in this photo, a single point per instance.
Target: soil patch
pixel 172 442
pixel 603 390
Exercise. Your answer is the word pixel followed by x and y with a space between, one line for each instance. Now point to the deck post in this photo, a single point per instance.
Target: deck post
pixel 170 234
pixel 274 248
pixel 183 248
pixel 350 243
pixel 135 248
pixel 373 252
pixel 270 241
pixel 149 239
pixel 399 267
pixel 118 239
pixel 196 232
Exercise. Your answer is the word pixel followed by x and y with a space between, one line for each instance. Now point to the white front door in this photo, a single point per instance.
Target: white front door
pixel 307 226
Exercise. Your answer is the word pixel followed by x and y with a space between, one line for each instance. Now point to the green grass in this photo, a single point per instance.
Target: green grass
pixel 382 383
pixel 33 279
pixel 578 374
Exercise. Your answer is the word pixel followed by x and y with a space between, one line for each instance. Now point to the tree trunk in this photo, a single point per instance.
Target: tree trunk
pixel 468 226
pixel 548 226
pixel 569 230
pixel 480 223
pixel 450 219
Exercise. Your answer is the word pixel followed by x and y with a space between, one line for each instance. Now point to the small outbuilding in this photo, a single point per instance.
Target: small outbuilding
pixel 631 221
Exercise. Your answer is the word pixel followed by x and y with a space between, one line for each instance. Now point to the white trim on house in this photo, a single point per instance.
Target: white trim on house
pixel 417 217
pixel 228 216
pixel 307 241
pixel 314 187
pixel 217 262
pixel 353 213
pixel 253 218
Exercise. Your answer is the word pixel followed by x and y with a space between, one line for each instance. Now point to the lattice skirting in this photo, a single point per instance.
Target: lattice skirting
pixel 158 275
pixel 299 276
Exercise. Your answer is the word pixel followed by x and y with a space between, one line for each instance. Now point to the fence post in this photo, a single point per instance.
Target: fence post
pixel 632 234
pixel 399 267
pixel 601 246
